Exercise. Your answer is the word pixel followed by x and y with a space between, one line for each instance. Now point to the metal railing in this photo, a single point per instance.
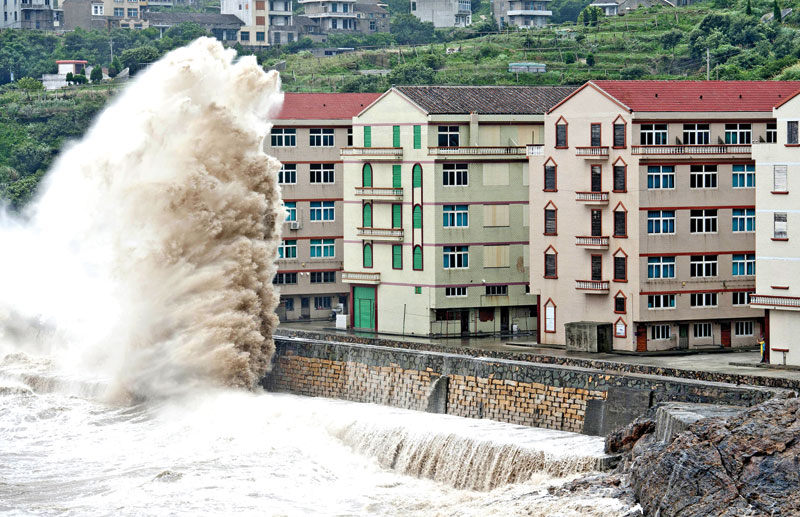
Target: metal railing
pixel 592 196
pixel 597 152
pixel 360 276
pixel 508 150
pixel 381 232
pixel 591 285
pixel 535 149
pixel 779 301
pixel 371 151
pixel 691 149
pixel 591 241
pixel 379 192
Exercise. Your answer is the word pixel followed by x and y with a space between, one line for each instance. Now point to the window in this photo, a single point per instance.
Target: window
pixel 320 137
pixel 660 221
pixel 349 137
pixel 738 133
pixel 397 176
pixel 550 221
pixel 744 176
pixel 659 332
pixel 397 256
pixel 97 9
pixel 744 220
pixel 322 248
pixel 416 176
pixel 288 174
pixel 455 174
pixel 791 132
pixel 596 268
pixel 367 136
pixel 281 137
pixel 397 216
pixel 366 215
pixel 455 292
pixel 620 328
pixel 448 136
pixel 456 257
pixel 620 223
pixel 696 134
pixel 661 176
pixel 417 258
pixel 133 13
pixel 322 211
pixel 703 176
pixel 703 221
pixel 550 263
pixel 322 303
pixel 496 290
pixel 561 133
pixel 702 330
pixel 619 134
pixel 456 216
pixel 703 300
pixel 119 12
pixel 619 303
pixel 781 181
pixel 781 226
pixel 417 289
pixel 743 328
pixel 372 25
pixel 595 135
pixel 416 217
pixel 596 178
pixel 653 134
pixel 661 301
pixel 417 137
pixel 550 184
pixel 291 211
pixel 703 266
pixel 660 267
pixel 395 136
pixel 287 249
pixel 367 255
pixel 772 132
pixel 288 303
pixel 285 279
pixel 621 267
pixel 620 180
pixel 323 277
pixel 321 173
pixel 741 298
pixel 744 264
pixel 366 175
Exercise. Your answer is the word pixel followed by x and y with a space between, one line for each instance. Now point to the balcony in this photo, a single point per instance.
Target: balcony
pixel 380 234
pixel 501 151
pixel 391 153
pixel 330 14
pixel 361 277
pixel 529 12
pixel 690 150
pixel 592 153
pixel 760 301
pixel 535 149
pixel 592 243
pixel 592 286
pixel 392 194
pixel 592 198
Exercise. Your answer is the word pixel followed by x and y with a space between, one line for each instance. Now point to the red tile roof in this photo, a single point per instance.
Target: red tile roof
pixel 324 106
pixel 700 95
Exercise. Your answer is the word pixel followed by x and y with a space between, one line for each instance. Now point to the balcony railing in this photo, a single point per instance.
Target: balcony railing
pixel 389 152
pixel 777 301
pixel 592 242
pixel 592 198
pixel 395 234
pixel 363 277
pixel 535 149
pixel 592 152
pixel 691 149
pixel 380 192
pixel 592 286
pixel 502 150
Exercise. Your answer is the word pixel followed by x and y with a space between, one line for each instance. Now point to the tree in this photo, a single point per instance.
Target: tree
pixel 30 84
pixel 776 12
pixel 670 39
pixel 70 78
pixel 407 28
pixel 412 73
pixel 590 60
pixel 569 58
pixel 97 74
pixel 137 58
pixel 749 9
pixel 115 67
pixel 80 78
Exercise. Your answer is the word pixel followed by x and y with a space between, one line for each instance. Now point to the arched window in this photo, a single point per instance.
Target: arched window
pixel 367 255
pixel 416 176
pixel 550 316
pixel 418 258
pixel 366 220
pixel 366 175
pixel 561 133
pixel 620 302
pixel 550 262
pixel 620 266
pixel 620 328
pixel 417 216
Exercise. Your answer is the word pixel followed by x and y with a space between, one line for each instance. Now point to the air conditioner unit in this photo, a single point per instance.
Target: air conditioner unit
pixel 295 225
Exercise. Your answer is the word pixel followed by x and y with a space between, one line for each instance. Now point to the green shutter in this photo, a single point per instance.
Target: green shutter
pixel 395 136
pixel 416 174
pixel 367 219
pixel 367 175
pixel 367 136
pixel 397 256
pixel 397 218
pixel 368 255
pixel 418 258
pixel 397 180
pixel 417 137
pixel 417 217
pixel 417 289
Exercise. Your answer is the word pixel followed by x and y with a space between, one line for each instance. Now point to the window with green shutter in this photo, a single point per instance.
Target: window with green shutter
pixel 417 289
pixel 416 176
pixel 366 175
pixel 367 213
pixel 417 137
pixel 397 216
pixel 418 258
pixel 397 179
pixel 417 216
pixel 397 256
pixel 367 255
pixel 367 136
pixel 395 136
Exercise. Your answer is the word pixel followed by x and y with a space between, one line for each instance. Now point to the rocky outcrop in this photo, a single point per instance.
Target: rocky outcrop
pixel 748 464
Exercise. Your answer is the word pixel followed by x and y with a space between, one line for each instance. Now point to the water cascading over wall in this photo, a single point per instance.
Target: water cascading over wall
pixel 150 250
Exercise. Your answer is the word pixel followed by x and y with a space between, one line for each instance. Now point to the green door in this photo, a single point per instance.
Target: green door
pixel 364 307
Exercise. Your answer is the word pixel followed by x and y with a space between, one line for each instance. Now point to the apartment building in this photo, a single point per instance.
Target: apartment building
pixel 306 137
pixel 347 16
pixel 30 14
pixel 265 21
pixel 522 13
pixel 443 13
pixel 644 211
pixel 436 209
pixel 777 216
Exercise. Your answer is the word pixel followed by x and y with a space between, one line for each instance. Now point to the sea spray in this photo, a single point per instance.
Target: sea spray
pixel 148 255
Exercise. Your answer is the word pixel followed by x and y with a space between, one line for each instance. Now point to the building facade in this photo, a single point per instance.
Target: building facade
pixel 777 253
pixel 644 218
pixel 30 14
pixel 306 138
pixel 265 21
pixel 443 13
pixel 436 209
pixel 522 13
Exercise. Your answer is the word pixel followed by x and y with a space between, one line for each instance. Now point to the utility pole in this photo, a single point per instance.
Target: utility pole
pixel 111 45
pixel 708 65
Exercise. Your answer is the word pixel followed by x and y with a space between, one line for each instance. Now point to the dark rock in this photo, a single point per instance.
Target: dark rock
pixel 624 438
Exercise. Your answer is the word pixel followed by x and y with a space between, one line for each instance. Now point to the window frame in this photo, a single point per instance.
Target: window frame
pixel 322 173
pixel 660 299
pixel 322 211
pixel 551 251
pixel 550 163
pixel 452 215
pixel 662 174
pixel 779 234
pixel 624 333
pixel 287 249
pixel 455 174
pixel 706 330
pixel 619 121
pixel 743 220
pixel 747 176
pixel 660 220
pixel 562 122
pixel 661 264
pixel 745 298
pixel 449 134
pixel 693 134
pixel 747 324
pixel 619 209
pixel 704 300
pixel 621 296
pixel 455 292
pixel 653 134
pixel 792 137
pixel 550 207
pixel 738 131
pixel 614 176
pixel 455 257
pixel 661 332
pixel 702 220
pixel 323 246
pixel 620 255
pixel 291 211
pixel 287 169
pixel 703 176
pixel 703 266
pixel 743 264
pixel 280 136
